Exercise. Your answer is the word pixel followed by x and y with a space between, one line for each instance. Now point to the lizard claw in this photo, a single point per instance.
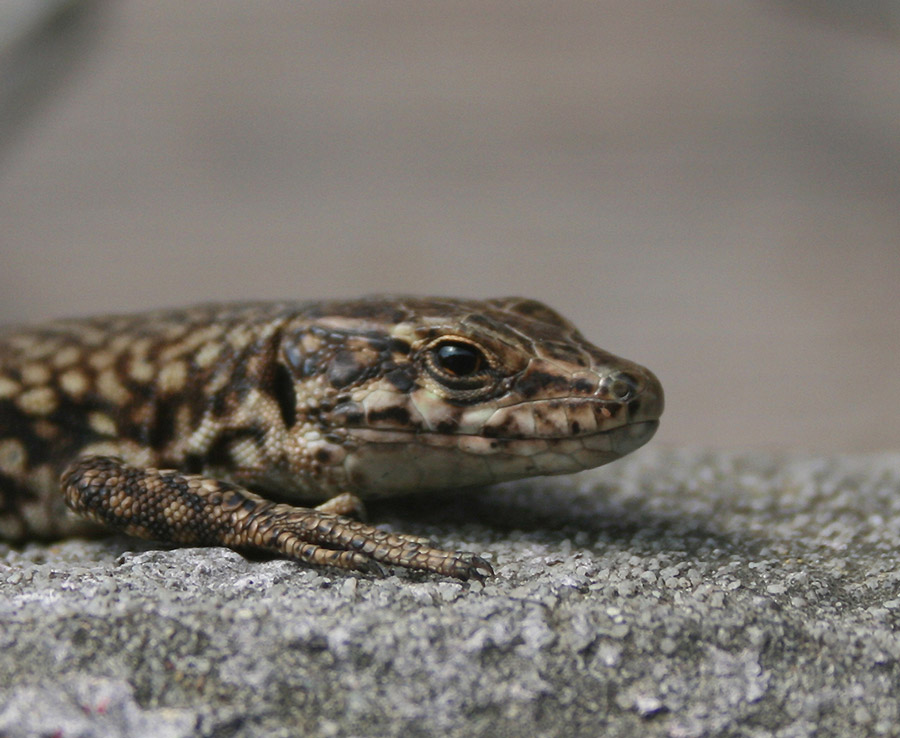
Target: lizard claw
pixel 370 566
pixel 467 566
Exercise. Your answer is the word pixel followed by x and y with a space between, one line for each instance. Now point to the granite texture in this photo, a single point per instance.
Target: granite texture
pixel 676 593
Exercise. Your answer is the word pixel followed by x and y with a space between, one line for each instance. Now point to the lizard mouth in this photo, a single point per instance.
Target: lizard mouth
pixel 621 439
pixel 553 420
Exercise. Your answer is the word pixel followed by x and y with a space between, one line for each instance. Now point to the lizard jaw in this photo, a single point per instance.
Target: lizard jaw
pixel 385 463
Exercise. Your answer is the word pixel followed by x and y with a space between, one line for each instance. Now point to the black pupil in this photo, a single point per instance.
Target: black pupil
pixel 458 359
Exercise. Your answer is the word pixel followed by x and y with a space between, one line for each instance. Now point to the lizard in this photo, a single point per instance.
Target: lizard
pixel 210 425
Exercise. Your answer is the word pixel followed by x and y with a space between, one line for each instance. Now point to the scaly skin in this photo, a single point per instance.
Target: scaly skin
pixel 203 426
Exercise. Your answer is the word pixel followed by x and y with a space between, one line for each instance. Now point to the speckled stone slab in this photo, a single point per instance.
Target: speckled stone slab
pixel 675 593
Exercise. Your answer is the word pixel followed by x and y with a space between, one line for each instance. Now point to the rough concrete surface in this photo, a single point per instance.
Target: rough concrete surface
pixel 676 593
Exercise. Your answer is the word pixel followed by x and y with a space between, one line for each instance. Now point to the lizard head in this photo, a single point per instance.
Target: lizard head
pixel 414 393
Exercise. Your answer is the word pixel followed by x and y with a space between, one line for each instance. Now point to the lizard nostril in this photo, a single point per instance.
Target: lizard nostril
pixel 621 387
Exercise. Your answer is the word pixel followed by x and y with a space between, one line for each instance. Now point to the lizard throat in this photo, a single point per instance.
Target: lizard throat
pixel 390 462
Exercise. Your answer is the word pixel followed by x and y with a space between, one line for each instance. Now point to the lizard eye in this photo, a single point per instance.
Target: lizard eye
pixel 458 359
pixel 458 364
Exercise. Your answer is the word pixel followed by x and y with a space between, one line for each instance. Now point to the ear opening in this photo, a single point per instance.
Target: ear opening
pixel 285 394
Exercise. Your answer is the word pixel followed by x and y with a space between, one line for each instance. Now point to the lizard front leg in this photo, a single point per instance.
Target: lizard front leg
pixel 192 509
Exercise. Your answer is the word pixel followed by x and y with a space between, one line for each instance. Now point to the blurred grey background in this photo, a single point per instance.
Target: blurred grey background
pixel 709 188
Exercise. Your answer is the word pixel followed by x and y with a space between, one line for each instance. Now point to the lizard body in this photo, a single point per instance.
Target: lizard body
pixel 207 425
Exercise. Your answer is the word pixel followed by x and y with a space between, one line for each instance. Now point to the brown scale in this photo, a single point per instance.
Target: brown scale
pixel 200 426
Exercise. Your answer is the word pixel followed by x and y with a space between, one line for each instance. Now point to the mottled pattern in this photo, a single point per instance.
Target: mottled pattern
pixel 301 402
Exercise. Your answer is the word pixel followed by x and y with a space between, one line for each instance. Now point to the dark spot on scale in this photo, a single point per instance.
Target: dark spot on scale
pixel 12 492
pixel 323 455
pixel 218 455
pixel 377 341
pixel 583 386
pixel 178 484
pixel 233 501
pixel 564 351
pixel 344 369
pixel 348 413
pixel 399 346
pixel 608 409
pixel 219 405
pixel 536 382
pixel 447 426
pixel 397 414
pixel 162 430
pixel 576 427
pixel 507 431
pixel 192 464
pixel 402 378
